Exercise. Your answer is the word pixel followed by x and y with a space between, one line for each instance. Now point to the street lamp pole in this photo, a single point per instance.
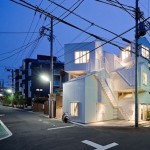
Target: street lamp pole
pixel 136 64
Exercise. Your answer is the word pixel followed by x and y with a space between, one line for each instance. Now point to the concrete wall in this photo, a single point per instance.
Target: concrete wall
pixel 86 67
pixel 91 98
pixel 97 104
pixel 74 91
pixel 145 69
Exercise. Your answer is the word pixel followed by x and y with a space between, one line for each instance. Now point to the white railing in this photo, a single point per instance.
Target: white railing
pixel 117 63
pixel 101 78
pixel 107 65
pixel 128 75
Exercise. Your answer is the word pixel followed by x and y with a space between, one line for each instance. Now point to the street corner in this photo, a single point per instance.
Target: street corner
pixel 4 131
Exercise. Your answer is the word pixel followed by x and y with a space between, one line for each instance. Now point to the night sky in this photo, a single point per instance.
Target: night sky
pixel 20 26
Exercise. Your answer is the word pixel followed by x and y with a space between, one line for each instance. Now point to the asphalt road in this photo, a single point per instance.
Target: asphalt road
pixel 32 131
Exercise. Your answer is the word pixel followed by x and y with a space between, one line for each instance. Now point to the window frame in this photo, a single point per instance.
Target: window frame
pixel 73 112
pixel 126 53
pixel 144 78
pixel 145 51
pixel 81 57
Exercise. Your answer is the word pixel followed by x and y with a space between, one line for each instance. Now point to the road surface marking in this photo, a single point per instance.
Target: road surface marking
pixel 1 115
pixel 99 147
pixel 147 126
pixel 46 122
pixel 6 129
pixel 60 127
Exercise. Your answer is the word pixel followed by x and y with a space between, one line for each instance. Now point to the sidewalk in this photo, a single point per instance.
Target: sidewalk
pixel 109 123
pixel 116 123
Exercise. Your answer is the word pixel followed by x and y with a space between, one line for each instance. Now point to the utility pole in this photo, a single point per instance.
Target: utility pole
pixel 51 54
pixel 51 103
pixel 51 72
pixel 136 63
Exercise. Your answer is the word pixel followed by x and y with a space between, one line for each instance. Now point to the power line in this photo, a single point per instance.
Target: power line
pixel 86 20
pixel 25 38
pixel 125 9
pixel 109 2
pixel 34 47
pixel 63 21
pixel 18 48
pixel 69 24
pixel 70 12
pixel 16 32
pixel 13 54
pixel 109 41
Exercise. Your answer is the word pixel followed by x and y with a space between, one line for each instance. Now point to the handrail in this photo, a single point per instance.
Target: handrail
pixel 116 60
pixel 103 78
pixel 127 75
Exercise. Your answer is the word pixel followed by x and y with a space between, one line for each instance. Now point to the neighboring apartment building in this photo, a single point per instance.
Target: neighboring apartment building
pixel 28 81
pixel 101 85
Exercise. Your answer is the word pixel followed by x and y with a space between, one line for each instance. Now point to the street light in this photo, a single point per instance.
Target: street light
pixel 9 91
pixel 47 79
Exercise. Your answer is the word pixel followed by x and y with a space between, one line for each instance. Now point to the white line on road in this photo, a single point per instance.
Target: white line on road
pixel 147 126
pixel 1 115
pixel 60 127
pixel 6 129
pixel 99 147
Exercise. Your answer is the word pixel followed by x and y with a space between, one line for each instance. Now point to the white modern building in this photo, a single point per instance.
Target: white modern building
pixel 101 84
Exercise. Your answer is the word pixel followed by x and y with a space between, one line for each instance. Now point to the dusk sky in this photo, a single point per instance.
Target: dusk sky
pixel 18 23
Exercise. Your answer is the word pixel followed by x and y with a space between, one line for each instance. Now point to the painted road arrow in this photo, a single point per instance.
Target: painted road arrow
pixel 99 147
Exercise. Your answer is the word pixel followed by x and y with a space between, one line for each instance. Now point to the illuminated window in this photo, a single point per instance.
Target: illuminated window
pixel 74 109
pixel 81 57
pixel 126 52
pixel 144 78
pixel 145 51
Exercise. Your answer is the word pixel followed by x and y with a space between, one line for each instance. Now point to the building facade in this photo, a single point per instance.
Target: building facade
pixel 101 84
pixel 28 81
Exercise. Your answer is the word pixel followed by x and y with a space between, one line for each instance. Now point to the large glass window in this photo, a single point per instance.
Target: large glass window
pixel 126 52
pixel 81 57
pixel 144 78
pixel 145 51
pixel 74 109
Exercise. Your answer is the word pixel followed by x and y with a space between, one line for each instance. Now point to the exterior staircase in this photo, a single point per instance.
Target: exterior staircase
pixel 128 75
pixel 101 79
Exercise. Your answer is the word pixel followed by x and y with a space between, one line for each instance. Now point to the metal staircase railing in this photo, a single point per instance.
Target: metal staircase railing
pixel 101 79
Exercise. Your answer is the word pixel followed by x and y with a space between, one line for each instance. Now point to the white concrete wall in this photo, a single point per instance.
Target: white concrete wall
pixel 145 69
pixel 74 91
pixel 86 67
pixel 118 83
pixel 97 104
pixel 127 106
pixel 91 98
